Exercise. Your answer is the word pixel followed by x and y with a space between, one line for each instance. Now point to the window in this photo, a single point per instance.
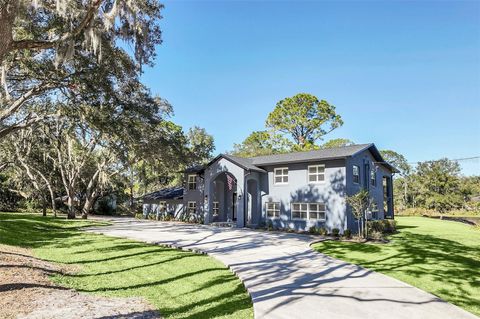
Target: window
pixel 316 173
pixel 299 210
pixel 280 175
pixel 373 177
pixel 192 207
pixel 316 211
pixel 356 174
pixel 162 206
pixel 192 182
pixel 215 208
pixel 273 209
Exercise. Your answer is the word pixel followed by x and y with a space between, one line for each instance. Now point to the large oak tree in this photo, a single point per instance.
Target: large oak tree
pixel 71 48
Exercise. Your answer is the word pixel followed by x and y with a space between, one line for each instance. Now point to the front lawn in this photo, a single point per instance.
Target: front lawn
pixel 180 284
pixel 441 257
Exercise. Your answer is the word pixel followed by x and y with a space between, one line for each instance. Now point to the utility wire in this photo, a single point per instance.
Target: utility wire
pixel 453 160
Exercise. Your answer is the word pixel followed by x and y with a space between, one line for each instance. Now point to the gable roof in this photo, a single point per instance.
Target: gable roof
pixel 165 193
pixel 256 163
pixel 322 154
pixel 243 162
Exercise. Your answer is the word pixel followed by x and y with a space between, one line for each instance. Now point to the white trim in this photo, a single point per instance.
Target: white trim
pixel 215 208
pixel 374 171
pixel 359 175
pixel 194 206
pixel 193 182
pixel 324 211
pixel 282 176
pixel 308 211
pixel 291 210
pixel 315 174
pixel 274 210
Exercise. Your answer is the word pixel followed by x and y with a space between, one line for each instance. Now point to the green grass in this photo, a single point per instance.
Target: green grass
pixel 441 257
pixel 180 284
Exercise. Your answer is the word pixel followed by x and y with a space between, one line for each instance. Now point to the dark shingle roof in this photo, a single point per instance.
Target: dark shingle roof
pixel 195 169
pixel 245 163
pixel 256 163
pixel 328 153
pixel 165 193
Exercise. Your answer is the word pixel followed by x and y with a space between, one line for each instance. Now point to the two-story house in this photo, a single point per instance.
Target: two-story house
pixel 294 190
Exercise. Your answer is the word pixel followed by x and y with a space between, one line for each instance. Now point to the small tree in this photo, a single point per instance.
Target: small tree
pixel 359 202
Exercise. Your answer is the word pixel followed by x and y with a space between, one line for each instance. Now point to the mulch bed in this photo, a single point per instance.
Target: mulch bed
pixel 26 291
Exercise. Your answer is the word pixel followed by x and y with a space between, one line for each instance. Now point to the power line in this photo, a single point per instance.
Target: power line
pixel 453 160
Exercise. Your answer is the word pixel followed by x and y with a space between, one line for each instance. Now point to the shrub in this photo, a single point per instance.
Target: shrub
pixel 376 235
pixel 322 231
pixel 385 226
pixel 269 225
pixel 389 225
pixel 347 233
pixel 335 232
pixel 312 230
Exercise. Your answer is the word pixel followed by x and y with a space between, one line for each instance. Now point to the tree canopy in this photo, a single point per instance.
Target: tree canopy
pixel 305 119
pixel 260 143
pixel 397 160
pixel 73 51
pixel 337 142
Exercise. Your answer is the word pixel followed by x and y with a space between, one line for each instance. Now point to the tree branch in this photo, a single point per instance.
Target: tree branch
pixel 39 44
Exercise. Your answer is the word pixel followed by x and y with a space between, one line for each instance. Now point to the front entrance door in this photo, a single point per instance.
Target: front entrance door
pixel 234 202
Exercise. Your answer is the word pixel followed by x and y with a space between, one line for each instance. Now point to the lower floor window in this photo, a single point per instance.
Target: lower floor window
pixel 215 208
pixel 299 210
pixel 163 206
pixel 315 211
pixel 273 209
pixel 192 207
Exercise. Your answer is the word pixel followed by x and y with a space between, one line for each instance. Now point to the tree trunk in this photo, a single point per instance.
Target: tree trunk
pixel 44 206
pixel 87 207
pixel 8 12
pixel 71 208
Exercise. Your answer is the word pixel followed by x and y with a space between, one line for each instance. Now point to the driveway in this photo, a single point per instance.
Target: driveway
pixel 286 279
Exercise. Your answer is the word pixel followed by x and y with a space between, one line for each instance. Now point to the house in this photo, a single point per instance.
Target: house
pixel 294 190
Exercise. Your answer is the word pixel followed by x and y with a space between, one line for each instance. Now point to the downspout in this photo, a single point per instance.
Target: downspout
pixel 391 197
pixel 203 198
pixel 245 198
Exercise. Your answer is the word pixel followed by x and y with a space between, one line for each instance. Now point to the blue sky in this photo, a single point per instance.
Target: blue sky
pixel 404 75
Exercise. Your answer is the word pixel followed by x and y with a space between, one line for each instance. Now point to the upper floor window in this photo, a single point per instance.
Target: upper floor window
pixel 316 173
pixel 192 182
pixel 280 175
pixel 373 177
pixel 273 209
pixel 215 208
pixel 316 211
pixel 356 174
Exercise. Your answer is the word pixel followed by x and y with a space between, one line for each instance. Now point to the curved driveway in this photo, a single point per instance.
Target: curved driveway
pixel 286 279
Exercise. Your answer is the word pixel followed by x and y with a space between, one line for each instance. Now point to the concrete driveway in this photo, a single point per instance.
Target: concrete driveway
pixel 286 279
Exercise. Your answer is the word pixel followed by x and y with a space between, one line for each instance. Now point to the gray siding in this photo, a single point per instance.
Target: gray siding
pixel 195 195
pixel 362 159
pixel 331 192
pixel 214 170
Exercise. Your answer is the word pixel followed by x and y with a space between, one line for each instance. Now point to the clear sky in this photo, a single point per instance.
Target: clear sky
pixel 404 75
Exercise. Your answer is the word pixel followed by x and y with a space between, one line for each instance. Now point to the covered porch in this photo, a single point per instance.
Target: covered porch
pixel 232 193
